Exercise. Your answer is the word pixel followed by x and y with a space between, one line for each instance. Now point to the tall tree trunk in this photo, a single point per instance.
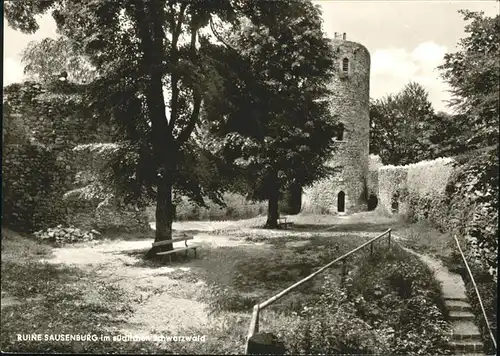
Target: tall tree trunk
pixel 164 212
pixel 272 212
pixel 273 204
pixel 148 15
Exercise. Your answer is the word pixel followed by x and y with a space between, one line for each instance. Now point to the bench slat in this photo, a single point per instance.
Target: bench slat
pixel 166 242
pixel 177 249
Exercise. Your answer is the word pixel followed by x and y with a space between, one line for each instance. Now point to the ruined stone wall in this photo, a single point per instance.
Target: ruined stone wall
pixel 374 163
pixel 350 103
pixel 422 180
pixel 40 131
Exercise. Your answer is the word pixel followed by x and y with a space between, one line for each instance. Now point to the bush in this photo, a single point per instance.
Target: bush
pixel 237 207
pixel 469 209
pixel 393 290
pixel 331 326
pixel 473 194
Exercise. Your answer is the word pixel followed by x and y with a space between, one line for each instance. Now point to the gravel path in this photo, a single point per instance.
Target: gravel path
pixel 162 302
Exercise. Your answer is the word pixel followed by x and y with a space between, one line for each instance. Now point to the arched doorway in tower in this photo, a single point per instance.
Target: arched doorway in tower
pixel 341 202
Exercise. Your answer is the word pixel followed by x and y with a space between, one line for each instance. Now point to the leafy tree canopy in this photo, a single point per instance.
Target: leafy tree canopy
pixel 401 126
pixel 473 73
pixel 154 72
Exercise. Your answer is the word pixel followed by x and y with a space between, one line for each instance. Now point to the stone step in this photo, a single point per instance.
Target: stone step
pixel 455 297
pixel 461 315
pixel 457 305
pixel 467 346
pixel 464 330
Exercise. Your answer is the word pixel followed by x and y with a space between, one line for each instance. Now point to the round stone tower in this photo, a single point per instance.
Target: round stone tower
pixel 350 104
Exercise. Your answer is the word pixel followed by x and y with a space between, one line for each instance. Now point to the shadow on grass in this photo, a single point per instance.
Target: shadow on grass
pixel 348 227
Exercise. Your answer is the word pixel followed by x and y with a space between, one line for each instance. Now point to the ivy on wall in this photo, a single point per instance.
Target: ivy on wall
pixel 42 125
pixel 32 187
pixel 392 187
pixel 457 195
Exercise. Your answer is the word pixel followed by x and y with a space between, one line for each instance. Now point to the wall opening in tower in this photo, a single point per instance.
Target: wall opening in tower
pixel 340 132
pixel 345 65
pixel 341 202
pixel 372 202
pixel 395 202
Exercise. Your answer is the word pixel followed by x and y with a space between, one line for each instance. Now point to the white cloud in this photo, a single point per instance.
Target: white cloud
pixel 393 68
pixel 429 53
pixel 12 71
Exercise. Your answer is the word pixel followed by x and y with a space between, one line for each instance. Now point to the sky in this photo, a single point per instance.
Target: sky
pixel 407 40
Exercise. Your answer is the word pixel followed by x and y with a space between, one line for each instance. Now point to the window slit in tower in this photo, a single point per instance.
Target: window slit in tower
pixel 345 65
pixel 340 132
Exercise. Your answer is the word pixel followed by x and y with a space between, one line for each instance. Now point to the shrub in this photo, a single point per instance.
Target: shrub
pixel 429 177
pixel 237 207
pixel 331 326
pixel 394 290
pixel 473 193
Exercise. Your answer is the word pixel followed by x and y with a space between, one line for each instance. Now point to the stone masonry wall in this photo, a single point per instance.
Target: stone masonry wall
pixel 40 131
pixel 350 103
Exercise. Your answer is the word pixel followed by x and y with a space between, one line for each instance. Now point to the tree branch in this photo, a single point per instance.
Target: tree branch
pixel 212 27
pixel 186 133
pixel 188 130
pixel 174 76
pixel 178 27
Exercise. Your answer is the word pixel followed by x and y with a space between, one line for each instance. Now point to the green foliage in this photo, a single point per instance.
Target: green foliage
pixel 133 50
pixel 400 126
pixel 392 186
pixel 390 305
pixel 488 290
pixel 446 136
pixel 236 207
pixel 43 123
pixel 459 196
pixel 426 185
pixel 238 278
pixel 473 73
pixel 473 194
pixel 332 326
pixel 48 59
pixel 277 127
pixel 469 210
pixel 394 290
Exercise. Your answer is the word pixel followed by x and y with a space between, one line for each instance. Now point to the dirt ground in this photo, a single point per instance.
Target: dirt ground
pixel 165 303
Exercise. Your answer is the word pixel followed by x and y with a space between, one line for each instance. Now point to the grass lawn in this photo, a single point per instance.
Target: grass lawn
pixel 56 300
pixel 391 304
pixel 241 277
pixel 53 299
pixel 236 269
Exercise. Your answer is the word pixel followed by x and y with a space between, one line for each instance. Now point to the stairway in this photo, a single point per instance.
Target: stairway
pixel 465 338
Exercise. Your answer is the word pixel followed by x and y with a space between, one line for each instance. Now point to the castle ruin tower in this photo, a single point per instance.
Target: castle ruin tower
pixel 350 104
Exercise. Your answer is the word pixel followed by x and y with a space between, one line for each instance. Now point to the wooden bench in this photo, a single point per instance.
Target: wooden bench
pixel 283 223
pixel 169 253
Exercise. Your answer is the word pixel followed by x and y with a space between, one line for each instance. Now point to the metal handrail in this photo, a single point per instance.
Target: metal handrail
pixel 254 322
pixel 477 293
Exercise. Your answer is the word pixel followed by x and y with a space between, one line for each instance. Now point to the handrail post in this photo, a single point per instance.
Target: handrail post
pixel 371 249
pixel 477 293
pixel 389 238
pixel 254 325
